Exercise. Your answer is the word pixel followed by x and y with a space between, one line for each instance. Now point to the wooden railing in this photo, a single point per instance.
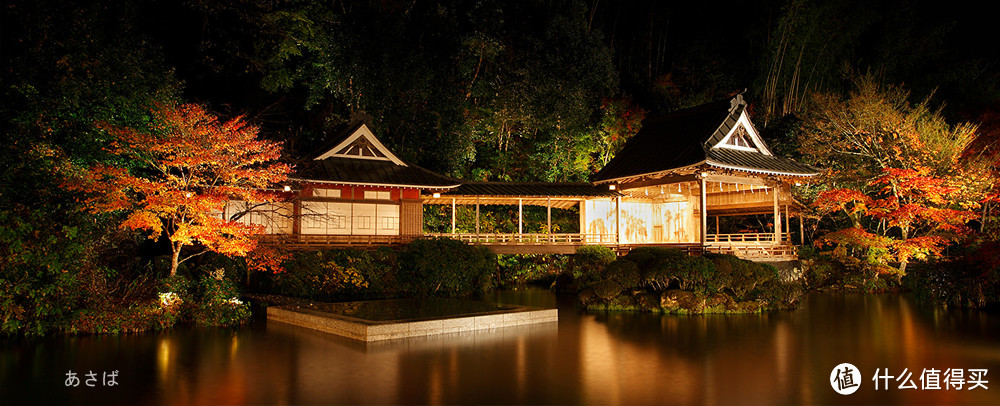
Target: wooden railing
pixel 773 252
pixel 318 241
pixel 744 237
pixel 531 239
pixel 747 246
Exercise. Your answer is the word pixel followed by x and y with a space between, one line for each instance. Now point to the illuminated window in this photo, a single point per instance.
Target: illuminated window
pixel 371 194
pixel 335 193
pixel 389 223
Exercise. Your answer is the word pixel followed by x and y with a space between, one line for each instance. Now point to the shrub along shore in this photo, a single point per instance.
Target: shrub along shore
pixel 213 290
pixel 667 280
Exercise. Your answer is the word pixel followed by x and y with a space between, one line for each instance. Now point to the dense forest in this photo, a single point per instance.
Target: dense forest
pixel 476 89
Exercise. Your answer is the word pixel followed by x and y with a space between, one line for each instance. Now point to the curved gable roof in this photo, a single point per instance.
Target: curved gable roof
pixel 687 137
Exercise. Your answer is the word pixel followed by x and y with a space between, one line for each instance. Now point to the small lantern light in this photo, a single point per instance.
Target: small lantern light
pixel 287 188
pixel 611 187
pixel 437 195
pixel 188 194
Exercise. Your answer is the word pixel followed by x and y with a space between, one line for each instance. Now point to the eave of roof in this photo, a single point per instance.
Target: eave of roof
pixel 757 163
pixel 350 171
pixel 531 189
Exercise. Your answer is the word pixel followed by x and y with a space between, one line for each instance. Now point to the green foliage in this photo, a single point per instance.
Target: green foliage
pixel 39 273
pixel 483 90
pixel 590 260
pixel 526 268
pixel 65 65
pixel 623 272
pixel 970 280
pixel 218 303
pixel 336 274
pixel 138 317
pixel 446 267
pixel 646 280
pixel 662 266
pixel 738 276
pixel 426 267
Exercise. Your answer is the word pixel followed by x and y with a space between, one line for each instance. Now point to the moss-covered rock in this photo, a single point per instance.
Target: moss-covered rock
pixel 607 289
pixel 622 303
pixel 648 302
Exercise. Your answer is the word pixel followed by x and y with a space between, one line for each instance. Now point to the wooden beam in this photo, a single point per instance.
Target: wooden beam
pixel 788 225
pixel 477 215
pixel 666 180
pixel 548 210
pixel 714 177
pixel 777 217
pixel 618 220
pixel 453 215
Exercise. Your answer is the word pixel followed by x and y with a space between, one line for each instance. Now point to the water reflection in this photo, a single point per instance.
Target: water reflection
pixel 603 358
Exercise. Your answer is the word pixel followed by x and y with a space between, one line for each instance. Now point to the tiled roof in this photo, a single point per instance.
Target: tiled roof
pixel 756 162
pixel 372 172
pixel 532 189
pixel 684 138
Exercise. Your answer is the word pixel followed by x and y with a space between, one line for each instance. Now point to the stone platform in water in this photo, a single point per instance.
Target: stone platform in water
pixel 377 320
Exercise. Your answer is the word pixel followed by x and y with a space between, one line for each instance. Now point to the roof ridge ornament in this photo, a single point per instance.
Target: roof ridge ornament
pixel 737 100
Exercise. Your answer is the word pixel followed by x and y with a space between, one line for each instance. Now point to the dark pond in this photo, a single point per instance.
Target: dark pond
pixel 595 359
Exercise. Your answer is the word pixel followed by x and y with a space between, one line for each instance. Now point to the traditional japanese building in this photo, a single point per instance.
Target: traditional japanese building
pixel 669 185
pixel 685 168
pixel 356 191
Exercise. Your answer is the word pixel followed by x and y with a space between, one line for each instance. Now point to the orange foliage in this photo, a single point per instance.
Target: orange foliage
pixel 193 164
pixel 907 200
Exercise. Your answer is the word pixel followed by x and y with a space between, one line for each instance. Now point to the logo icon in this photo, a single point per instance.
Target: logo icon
pixel 845 379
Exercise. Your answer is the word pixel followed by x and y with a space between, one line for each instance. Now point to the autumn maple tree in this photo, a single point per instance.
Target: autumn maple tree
pixel 191 165
pixel 895 171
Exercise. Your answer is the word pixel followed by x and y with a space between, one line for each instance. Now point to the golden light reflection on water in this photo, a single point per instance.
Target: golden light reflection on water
pixel 163 359
pixel 587 358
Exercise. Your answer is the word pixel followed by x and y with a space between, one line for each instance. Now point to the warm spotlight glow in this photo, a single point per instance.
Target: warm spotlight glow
pixel 287 188
pixel 611 187
pixel 437 195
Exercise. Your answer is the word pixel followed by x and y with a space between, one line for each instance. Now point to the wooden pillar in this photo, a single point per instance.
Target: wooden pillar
pixel 548 215
pixel 703 212
pixel 777 216
pixel 618 219
pixel 296 217
pixel 717 225
pixel 477 215
pixel 453 215
pixel 788 225
pixel 520 216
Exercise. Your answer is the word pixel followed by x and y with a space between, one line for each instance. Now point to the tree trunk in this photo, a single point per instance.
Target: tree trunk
pixel 174 260
pixel 903 261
